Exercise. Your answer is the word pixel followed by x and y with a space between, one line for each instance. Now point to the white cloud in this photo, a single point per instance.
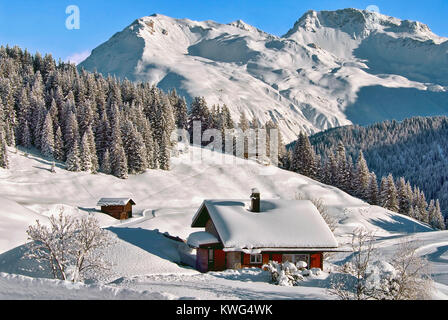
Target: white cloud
pixel 78 57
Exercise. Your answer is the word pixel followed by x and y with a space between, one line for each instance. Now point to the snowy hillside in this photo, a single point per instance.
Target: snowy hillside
pixel 332 68
pixel 144 261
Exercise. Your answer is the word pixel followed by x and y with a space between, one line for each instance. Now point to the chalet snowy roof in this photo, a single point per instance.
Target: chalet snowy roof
pixel 197 239
pixel 279 224
pixel 114 202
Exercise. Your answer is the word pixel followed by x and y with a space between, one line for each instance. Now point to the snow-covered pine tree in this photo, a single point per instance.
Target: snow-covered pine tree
pixel 227 118
pixel 163 130
pixel 388 193
pixel 4 162
pixel 343 174
pixel 421 207
pixel 135 149
pixel 85 156
pixel 26 136
pixel 73 162
pixel 243 123
pixel 119 163
pixel 103 135
pixel 92 147
pixel 58 145
pixel 71 135
pixel 304 158
pixel 164 153
pixel 373 189
pixel 199 112
pixel 181 113
pixel 105 164
pixel 437 220
pixel 47 137
pixel 118 158
pixel 404 202
pixel 149 144
pixel 85 116
pixel 9 134
pixel 362 178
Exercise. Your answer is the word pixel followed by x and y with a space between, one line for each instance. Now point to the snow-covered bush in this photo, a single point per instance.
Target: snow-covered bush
pixel 73 248
pixel 404 277
pixel 316 271
pixel 288 273
pixel 301 265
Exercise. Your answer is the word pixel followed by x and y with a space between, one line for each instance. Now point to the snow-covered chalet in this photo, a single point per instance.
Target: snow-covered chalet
pixel 250 233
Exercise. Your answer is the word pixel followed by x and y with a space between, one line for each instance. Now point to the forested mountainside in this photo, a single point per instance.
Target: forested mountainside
pixel 415 148
pixel 93 123
pixel 90 122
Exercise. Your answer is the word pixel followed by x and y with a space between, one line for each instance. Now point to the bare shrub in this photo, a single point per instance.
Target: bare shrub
pixel 405 277
pixel 71 247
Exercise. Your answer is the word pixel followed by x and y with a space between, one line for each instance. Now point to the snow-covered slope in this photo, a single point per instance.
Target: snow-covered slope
pixel 332 68
pixel 146 262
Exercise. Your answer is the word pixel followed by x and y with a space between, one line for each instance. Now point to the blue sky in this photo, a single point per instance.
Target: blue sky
pixel 40 25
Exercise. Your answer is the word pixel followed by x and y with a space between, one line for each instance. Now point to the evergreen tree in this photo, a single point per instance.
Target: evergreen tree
pixel 435 216
pixel 362 179
pixel 58 145
pixel 389 194
pixel 71 132
pixel 421 208
pixel 404 200
pixel 85 155
pixel 4 162
pixel 304 158
pixel 119 163
pixel 47 140
pixel 106 165
pixel 373 190
pixel 26 136
pixel 73 162
pixel 92 149
pixel 199 112
pixel 243 123
pixel 135 149
pixel 343 173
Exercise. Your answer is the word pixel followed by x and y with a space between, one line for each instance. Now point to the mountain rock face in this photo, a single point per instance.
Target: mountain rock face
pixel 332 68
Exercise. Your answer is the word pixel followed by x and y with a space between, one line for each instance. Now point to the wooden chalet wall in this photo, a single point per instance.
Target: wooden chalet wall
pixel 118 212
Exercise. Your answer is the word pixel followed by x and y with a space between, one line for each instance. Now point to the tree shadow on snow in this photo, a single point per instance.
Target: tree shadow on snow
pixel 14 262
pixel 401 224
pixel 437 255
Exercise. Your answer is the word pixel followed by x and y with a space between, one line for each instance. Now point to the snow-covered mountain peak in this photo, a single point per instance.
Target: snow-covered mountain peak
pixel 332 68
pixel 240 24
pixel 358 23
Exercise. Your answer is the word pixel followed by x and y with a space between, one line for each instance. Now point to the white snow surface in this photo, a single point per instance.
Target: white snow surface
pixel 279 224
pixel 332 68
pixel 196 239
pixel 146 263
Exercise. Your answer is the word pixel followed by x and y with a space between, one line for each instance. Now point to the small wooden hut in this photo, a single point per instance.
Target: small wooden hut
pixel 119 208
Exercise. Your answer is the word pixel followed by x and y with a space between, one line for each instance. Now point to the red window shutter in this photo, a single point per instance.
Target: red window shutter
pixel 265 258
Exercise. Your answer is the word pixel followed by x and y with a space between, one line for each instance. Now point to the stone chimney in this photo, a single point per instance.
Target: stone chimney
pixel 255 200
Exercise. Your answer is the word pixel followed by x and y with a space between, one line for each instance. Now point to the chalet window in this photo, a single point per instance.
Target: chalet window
pixel 301 257
pixel 256 258
pixel 294 258
pixel 210 255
